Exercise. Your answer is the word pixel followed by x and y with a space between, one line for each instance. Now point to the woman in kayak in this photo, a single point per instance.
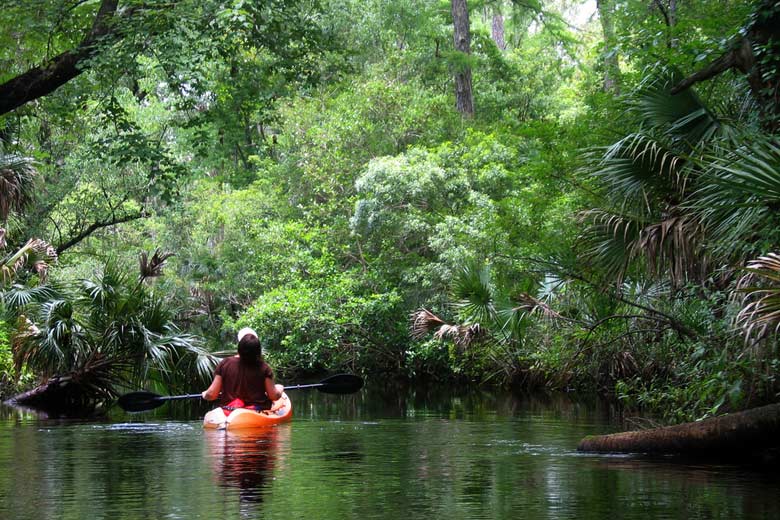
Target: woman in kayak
pixel 244 380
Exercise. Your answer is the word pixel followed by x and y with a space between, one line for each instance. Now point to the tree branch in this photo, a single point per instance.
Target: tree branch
pixel 722 64
pixel 661 8
pixel 660 316
pixel 48 77
pixel 95 226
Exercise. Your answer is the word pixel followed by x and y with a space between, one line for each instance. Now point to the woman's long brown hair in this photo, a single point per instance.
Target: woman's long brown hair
pixel 250 351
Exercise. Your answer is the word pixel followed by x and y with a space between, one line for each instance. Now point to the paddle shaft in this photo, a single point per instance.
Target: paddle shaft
pixel 312 385
pixel 178 397
pixel 140 401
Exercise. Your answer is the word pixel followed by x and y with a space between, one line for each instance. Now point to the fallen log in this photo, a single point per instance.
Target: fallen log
pixel 754 432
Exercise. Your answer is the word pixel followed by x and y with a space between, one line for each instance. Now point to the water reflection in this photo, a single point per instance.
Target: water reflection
pixel 725 491
pixel 246 460
pixel 424 456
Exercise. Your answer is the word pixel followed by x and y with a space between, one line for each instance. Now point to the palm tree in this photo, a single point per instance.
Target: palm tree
pixel 688 190
pixel 648 176
pixel 491 315
pixel 109 333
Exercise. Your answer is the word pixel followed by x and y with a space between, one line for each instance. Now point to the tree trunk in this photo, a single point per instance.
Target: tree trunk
pixel 611 67
pixel 674 42
pixel 751 432
pixel 57 396
pixel 45 79
pixel 497 29
pixel 463 94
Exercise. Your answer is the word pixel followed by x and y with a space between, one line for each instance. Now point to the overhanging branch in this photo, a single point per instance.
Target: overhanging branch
pixel 95 226
pixel 48 77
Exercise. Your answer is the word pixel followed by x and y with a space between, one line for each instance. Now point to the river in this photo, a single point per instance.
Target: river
pixel 371 455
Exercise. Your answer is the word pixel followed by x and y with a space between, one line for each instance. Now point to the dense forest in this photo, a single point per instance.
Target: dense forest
pixel 545 194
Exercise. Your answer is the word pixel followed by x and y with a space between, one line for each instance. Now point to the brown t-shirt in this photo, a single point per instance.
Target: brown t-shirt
pixel 245 382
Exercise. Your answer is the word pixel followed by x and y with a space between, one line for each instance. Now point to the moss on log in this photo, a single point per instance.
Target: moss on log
pixel 753 432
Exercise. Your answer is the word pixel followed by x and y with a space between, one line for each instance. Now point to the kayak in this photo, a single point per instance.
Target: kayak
pixel 246 418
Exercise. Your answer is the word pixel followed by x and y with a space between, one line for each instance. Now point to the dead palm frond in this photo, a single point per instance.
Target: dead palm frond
pixel 760 314
pixel 531 305
pixel 670 244
pixel 424 322
pixel 463 336
pixel 36 254
pixel 674 244
pixel 152 268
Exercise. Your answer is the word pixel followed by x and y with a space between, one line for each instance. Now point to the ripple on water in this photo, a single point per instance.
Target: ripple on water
pixel 133 428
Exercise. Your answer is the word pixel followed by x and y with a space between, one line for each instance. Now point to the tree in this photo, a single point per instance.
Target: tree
pixel 751 433
pixel 178 34
pixel 497 27
pixel 464 98
pixel 44 79
pixel 139 97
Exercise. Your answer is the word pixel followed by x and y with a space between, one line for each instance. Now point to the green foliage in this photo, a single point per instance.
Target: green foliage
pixel 7 373
pixel 701 382
pixel 334 324
pixel 327 141
pixel 305 163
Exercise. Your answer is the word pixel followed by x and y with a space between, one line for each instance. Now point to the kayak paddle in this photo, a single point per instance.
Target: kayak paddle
pixel 141 401
pixel 338 384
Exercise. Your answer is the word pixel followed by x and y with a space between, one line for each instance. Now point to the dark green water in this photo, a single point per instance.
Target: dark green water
pixel 358 457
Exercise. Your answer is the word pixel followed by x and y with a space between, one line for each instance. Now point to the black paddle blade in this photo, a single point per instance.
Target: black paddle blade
pixel 341 384
pixel 140 401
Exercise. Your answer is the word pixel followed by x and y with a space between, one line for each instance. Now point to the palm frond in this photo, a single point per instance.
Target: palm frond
pixel 646 291
pixel 739 191
pixel 463 336
pixel 638 169
pixel 610 240
pixel 749 173
pixel 424 322
pixel 682 116
pixel 105 292
pixel 474 295
pixel 18 296
pixel 674 245
pixel 17 183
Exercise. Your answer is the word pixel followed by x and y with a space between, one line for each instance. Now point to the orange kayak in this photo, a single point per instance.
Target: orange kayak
pixel 280 412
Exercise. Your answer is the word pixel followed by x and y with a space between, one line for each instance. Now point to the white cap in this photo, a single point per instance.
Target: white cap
pixel 243 332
